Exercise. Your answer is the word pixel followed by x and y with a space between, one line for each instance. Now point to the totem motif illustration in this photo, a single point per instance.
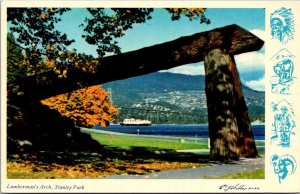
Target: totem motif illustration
pixel 283 69
pixel 282 25
pixel 283 124
pixel 283 166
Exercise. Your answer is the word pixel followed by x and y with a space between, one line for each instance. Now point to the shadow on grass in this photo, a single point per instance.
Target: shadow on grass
pixel 110 154
pixel 103 161
pixel 153 153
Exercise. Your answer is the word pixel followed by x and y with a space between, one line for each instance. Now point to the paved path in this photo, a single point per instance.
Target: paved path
pixel 200 173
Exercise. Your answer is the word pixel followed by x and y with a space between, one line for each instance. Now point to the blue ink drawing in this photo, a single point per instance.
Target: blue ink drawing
pixel 283 166
pixel 283 69
pixel 283 124
pixel 282 25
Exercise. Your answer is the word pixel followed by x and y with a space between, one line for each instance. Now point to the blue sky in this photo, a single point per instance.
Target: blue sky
pixel 161 29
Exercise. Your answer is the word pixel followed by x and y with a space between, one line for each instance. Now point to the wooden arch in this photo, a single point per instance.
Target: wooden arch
pixel 229 126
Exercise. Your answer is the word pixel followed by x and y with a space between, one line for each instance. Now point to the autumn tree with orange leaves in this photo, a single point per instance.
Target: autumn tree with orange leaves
pixel 86 107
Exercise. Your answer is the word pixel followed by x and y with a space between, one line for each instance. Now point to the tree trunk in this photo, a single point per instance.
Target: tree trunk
pixel 222 122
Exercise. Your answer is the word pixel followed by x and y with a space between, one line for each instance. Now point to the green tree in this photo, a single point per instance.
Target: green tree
pixel 14 59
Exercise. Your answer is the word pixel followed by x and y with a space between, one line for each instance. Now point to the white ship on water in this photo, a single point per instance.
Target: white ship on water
pixel 135 122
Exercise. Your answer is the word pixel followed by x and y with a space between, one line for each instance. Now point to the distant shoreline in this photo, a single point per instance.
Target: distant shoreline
pixel 200 124
pixel 98 131
pixel 181 130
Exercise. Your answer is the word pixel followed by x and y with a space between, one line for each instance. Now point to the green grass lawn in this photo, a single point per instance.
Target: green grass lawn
pixel 126 142
pixel 255 174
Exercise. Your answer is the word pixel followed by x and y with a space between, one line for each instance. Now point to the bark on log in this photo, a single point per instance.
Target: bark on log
pixel 189 49
pixel 222 122
pixel 229 124
pixel 246 138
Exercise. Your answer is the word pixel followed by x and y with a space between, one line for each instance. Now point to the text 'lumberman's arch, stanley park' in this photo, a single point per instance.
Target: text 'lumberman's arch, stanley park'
pixel 229 126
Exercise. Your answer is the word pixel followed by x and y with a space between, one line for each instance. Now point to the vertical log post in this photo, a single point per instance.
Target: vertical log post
pixel 229 125
pixel 222 123
pixel 246 141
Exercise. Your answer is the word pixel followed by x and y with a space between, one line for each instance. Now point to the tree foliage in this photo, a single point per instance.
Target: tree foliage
pixel 191 13
pixel 15 68
pixel 36 28
pixel 103 28
pixel 42 42
pixel 86 107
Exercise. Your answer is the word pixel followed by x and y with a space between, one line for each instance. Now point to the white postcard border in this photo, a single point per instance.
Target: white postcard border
pixel 269 184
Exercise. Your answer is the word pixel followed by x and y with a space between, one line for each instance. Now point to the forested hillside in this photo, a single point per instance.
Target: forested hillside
pixel 171 98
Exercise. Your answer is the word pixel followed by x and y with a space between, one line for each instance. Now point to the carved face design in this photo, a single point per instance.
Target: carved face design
pixel 276 26
pixel 282 25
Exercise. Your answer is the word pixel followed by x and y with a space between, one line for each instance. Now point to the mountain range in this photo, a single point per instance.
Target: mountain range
pixel 166 93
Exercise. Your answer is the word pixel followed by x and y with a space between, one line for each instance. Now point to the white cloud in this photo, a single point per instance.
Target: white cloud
pixel 256 84
pixel 247 62
pixel 252 61
pixel 190 69
pixel 259 33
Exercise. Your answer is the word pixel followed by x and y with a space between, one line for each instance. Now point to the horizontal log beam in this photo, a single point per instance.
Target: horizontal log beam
pixel 184 50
